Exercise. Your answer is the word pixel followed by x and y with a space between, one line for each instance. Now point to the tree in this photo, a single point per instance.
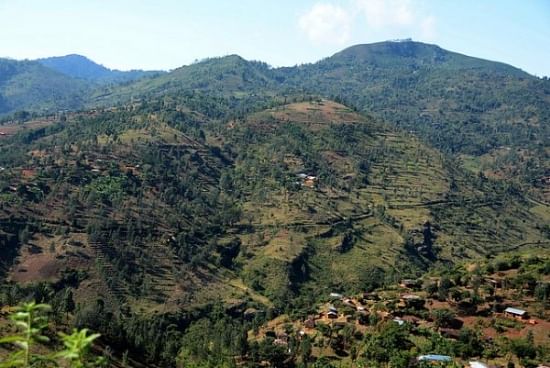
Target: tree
pixel 68 302
pixel 381 346
pixel 305 349
pixel 443 317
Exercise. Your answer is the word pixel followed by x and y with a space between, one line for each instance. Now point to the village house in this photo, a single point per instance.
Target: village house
pixel 399 321
pixel 495 283
pixel 410 284
pixel 434 358
pixel 515 313
pixel 332 312
pixel 476 364
pixel 371 296
pixel 309 322
pixel 449 333
pixel 349 302
pixel 412 320
pixel 412 301
pixel 307 180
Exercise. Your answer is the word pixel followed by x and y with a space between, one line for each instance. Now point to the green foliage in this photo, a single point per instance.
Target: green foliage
pixel 31 320
pixel 77 346
pixel 390 344
pixel 27 85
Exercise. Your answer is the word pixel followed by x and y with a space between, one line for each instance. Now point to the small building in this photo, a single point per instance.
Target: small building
pixel 515 313
pixel 410 284
pixel 413 301
pixel 349 302
pixel 449 333
pixel 336 296
pixel 310 322
pixel 476 364
pixel 399 321
pixel 434 358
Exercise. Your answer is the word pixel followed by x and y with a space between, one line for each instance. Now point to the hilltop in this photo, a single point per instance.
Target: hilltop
pixel 28 85
pixel 80 67
pixel 491 116
pixel 488 114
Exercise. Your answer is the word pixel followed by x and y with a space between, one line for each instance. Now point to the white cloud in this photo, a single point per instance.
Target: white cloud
pixel 383 13
pixel 326 23
pixel 334 24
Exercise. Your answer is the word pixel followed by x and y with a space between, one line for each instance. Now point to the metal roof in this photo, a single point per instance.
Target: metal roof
pixel 435 357
pixel 517 311
pixel 475 364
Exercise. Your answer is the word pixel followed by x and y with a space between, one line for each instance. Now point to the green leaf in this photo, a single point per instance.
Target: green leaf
pixel 10 339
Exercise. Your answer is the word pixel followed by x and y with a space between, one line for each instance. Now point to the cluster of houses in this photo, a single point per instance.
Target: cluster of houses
pixel 400 308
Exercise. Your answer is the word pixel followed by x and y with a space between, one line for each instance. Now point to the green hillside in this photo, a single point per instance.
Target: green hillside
pixel 179 215
pixel 27 85
pixel 491 116
pixel 155 213
pixel 80 67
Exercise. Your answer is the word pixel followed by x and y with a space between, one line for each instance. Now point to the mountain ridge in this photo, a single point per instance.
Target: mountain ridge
pixel 81 67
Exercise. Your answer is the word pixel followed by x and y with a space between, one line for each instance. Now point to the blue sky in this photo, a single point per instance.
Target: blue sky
pixel 164 34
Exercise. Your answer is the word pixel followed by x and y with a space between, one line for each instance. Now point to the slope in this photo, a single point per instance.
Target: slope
pixel 463 105
pixel 154 214
pixel 337 201
pixel 27 85
pixel 78 66
pixel 492 116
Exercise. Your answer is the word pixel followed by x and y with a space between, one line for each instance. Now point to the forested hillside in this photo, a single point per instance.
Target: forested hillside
pixel 201 217
pixel 78 66
pixel 28 85
pixel 157 214
pixel 490 115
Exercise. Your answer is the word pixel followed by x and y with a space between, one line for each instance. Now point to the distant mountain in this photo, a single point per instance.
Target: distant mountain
pixel 81 67
pixel 28 85
pixel 482 112
pixel 220 76
pixel 459 103
pixel 493 116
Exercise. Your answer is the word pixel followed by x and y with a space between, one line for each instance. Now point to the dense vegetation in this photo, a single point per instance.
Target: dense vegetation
pixel 195 208
pixel 28 85
pixel 78 66
pixel 152 222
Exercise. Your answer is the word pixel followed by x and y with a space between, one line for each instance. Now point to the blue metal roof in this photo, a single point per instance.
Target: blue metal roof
pixel 515 311
pixel 435 357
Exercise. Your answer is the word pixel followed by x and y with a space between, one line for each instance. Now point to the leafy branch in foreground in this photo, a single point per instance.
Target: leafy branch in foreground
pixel 31 320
